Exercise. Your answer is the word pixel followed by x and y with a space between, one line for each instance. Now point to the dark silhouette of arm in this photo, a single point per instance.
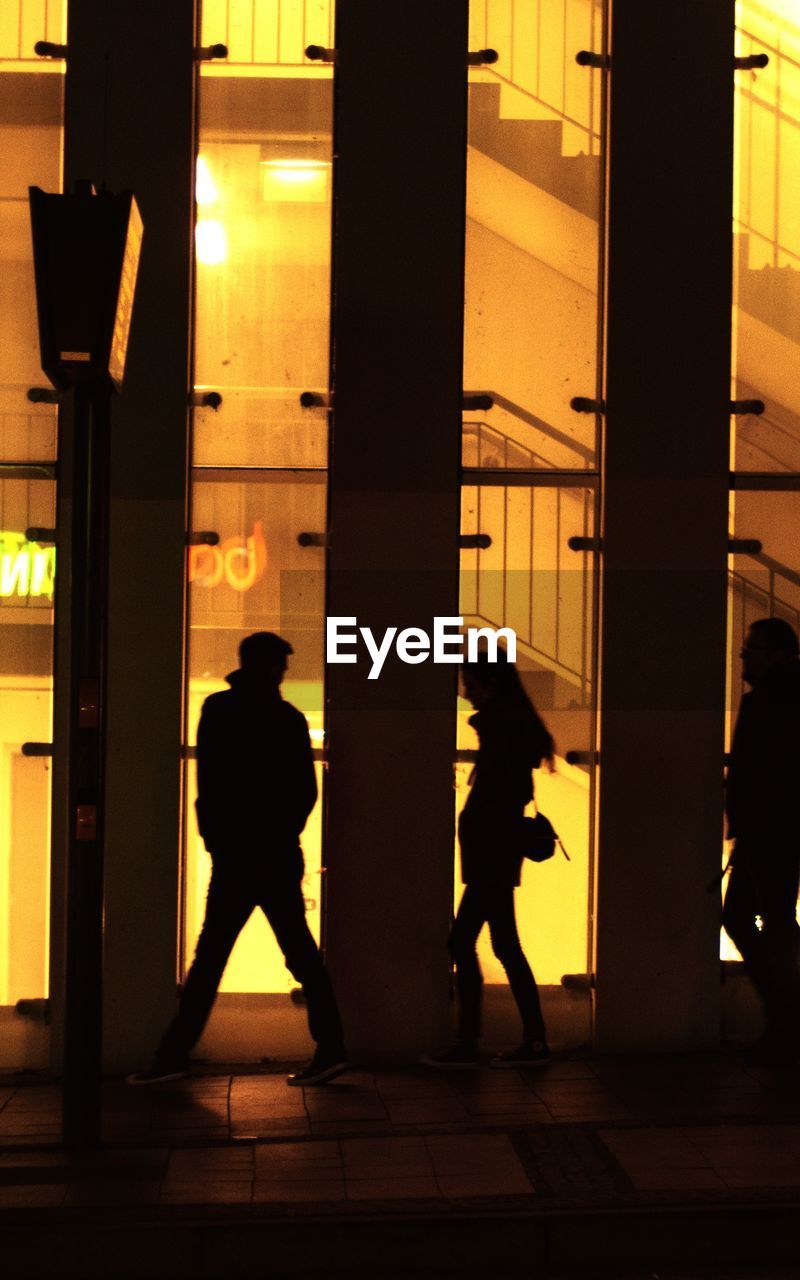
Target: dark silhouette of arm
pixel 211 762
pixel 306 774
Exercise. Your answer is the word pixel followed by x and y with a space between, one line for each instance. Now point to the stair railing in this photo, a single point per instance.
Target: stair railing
pixel 782 65
pixel 530 419
pixel 484 28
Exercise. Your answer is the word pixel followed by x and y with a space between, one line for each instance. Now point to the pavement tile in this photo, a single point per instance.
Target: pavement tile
pixel 472 1153
pixel 421 1084
pixel 676 1180
pixel 207 1193
pixel 325 1102
pixel 482 1184
pixel 240 1157
pixel 142 1191
pixel 179 1137
pixel 355 1076
pixel 392 1188
pixel 268 1126
pixel 390 1157
pixel 507 1103
pixel 566 1069
pixel 33 1196
pixel 34 1159
pixel 662 1160
pixel 512 1119
pixel 16 1140
pixel 411 1110
pixel 292 1171
pixel 205 1177
pixel 319 1189
pixel 300 1153
pixel 33 1132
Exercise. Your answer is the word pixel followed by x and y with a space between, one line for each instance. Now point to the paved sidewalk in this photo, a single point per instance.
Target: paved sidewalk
pixel 681 1159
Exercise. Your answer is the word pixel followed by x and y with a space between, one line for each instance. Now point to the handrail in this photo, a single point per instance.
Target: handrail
pixel 558 667
pixel 775 566
pixel 539 424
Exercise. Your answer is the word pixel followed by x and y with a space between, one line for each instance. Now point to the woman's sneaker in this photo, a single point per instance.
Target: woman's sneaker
pixel 532 1053
pixel 460 1057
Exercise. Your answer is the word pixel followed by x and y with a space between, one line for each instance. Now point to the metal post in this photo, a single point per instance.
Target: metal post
pixel 82 1099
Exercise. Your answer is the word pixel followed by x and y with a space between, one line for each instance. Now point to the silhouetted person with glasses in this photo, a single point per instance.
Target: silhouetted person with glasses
pixel 512 742
pixel 763 786
pixel 256 787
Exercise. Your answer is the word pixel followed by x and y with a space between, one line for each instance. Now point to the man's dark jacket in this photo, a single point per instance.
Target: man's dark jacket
pixel 256 784
pixel 763 788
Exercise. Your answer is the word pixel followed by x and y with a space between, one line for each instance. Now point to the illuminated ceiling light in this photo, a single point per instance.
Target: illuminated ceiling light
pixel 305 180
pixel 294 170
pixel 205 190
pixel 211 242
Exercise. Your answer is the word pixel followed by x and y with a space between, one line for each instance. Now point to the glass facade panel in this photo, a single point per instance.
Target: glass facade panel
pixel 533 233
pixel 257 578
pixel 263 235
pixel 761 584
pixel 31 112
pixel 530 579
pixel 767 236
pixel 262 316
pixel 31 142
pixel 27 573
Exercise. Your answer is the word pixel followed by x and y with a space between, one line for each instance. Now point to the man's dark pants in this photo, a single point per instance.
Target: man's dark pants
pixel 236 889
pixel 764 883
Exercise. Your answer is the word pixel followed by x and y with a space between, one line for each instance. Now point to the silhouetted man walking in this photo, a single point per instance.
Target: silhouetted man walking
pixel 762 794
pixel 256 787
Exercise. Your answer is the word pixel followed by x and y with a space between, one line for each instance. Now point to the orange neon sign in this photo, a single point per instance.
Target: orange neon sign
pixel 238 561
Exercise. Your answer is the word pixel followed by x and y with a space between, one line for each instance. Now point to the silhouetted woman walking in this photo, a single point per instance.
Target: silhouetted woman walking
pixel 513 741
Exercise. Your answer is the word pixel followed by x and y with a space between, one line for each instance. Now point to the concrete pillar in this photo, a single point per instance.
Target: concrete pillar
pixel 394 511
pixel 665 495
pixel 129 123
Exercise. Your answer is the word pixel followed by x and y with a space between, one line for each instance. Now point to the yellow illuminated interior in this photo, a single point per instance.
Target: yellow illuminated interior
pixel 263 192
pixel 257 578
pixel 31 112
pixel 533 233
pixel 530 338
pixel 766 315
pixel 530 580
pixel 262 328
pixel 26 618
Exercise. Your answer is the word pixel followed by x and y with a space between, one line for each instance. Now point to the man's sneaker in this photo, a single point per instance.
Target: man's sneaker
pixel 322 1067
pixel 533 1053
pixel 460 1057
pixel 158 1073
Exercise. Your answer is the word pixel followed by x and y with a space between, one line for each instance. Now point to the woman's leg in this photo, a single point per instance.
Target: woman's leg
pixel 506 946
pixel 469 921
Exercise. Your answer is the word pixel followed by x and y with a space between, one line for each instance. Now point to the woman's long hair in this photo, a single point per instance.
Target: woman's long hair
pixel 511 693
